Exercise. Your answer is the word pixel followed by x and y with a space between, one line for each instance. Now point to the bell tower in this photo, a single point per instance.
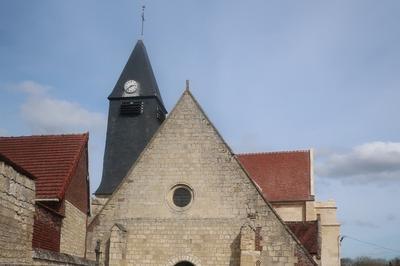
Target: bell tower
pixel 136 111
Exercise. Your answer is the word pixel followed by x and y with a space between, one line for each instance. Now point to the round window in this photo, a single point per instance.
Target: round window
pixel 180 197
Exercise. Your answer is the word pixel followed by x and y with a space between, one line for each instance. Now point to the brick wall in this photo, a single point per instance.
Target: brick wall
pixel 17 194
pixel 78 189
pixel 46 229
pixel 73 231
pixel 187 150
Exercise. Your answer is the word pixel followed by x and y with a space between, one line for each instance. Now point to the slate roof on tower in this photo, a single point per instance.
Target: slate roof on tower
pixel 135 113
pixel 138 68
pixel 282 176
pixel 52 159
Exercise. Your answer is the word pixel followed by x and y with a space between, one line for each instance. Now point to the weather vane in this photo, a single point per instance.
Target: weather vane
pixel 143 7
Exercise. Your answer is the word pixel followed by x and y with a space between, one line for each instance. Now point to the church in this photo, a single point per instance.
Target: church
pixel 174 193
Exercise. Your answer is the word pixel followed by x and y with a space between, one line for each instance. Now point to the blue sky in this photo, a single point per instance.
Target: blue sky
pixel 271 75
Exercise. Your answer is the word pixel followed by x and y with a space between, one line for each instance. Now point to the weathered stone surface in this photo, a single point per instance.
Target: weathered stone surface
pixel 330 231
pixel 45 257
pixel 17 194
pixel 73 231
pixel 187 150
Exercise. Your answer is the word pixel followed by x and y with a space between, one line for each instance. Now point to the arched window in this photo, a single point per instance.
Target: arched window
pixel 184 263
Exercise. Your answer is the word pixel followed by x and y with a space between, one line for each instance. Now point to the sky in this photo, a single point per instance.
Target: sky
pixel 271 76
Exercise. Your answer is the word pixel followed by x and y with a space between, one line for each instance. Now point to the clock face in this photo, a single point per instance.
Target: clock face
pixel 130 86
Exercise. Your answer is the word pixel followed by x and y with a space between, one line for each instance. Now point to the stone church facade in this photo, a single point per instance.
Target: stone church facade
pixel 188 200
pixel 172 192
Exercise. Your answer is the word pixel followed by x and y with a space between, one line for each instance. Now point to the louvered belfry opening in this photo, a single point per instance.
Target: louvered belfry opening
pixel 160 114
pixel 134 107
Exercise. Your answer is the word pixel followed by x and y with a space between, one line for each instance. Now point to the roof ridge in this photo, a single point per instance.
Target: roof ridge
pixel 272 152
pixel 43 135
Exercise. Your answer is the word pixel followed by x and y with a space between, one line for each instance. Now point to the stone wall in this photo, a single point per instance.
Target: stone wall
pixel 48 258
pixel 330 230
pixel 291 212
pixel 73 231
pixel 203 242
pixel 187 150
pixel 17 194
pixel 95 206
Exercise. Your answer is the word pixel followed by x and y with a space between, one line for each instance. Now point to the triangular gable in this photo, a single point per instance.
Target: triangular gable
pixel 187 149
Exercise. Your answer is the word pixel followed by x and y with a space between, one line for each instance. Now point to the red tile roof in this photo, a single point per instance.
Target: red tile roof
pixel 17 168
pixel 307 233
pixel 282 176
pixel 52 159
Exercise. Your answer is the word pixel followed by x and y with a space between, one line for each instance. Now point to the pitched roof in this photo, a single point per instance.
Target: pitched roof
pixel 52 159
pixel 282 176
pixel 17 168
pixel 307 233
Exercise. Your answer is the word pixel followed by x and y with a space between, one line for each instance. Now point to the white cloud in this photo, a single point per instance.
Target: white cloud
pixel 30 87
pixel 370 162
pixel 45 114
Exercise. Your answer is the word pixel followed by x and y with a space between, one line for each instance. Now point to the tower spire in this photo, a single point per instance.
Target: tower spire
pixel 143 7
pixel 136 111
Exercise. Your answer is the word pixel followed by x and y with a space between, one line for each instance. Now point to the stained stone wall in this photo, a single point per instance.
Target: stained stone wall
pixel 73 231
pixel 188 150
pixel 49 258
pixel 17 194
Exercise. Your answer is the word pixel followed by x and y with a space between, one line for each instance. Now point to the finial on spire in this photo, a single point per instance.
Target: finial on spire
pixel 143 7
pixel 187 84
